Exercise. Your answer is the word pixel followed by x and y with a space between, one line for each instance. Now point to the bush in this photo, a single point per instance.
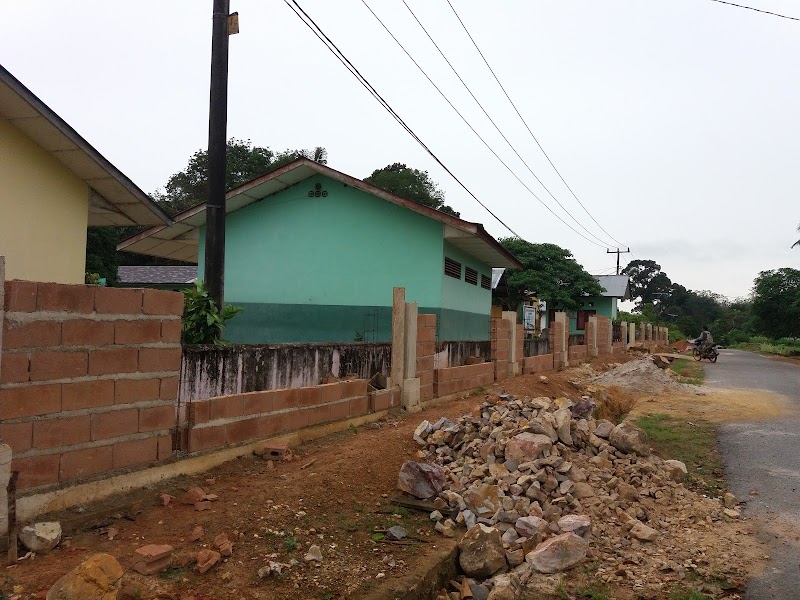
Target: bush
pixel 202 323
pixel 675 335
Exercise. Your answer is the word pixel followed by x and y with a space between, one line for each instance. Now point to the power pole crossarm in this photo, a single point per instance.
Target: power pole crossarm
pixel 618 252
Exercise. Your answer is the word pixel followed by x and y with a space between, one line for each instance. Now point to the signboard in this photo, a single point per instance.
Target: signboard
pixel 529 317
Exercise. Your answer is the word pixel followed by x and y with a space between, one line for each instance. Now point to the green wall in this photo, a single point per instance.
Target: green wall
pixel 465 307
pixel 604 305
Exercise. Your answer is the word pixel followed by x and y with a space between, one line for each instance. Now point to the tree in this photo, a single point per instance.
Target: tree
pixel 551 273
pixel 776 302
pixel 101 252
pixel 244 162
pixel 411 184
pixel 649 285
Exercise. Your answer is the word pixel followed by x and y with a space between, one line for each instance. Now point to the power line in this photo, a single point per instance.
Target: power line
pixel 463 118
pixel 497 79
pixel 766 12
pixel 368 86
pixel 492 121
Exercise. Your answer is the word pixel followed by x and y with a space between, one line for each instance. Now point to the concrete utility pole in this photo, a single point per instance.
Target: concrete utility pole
pixel 618 252
pixel 217 155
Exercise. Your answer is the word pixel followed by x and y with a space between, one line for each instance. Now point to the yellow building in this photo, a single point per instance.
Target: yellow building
pixel 53 184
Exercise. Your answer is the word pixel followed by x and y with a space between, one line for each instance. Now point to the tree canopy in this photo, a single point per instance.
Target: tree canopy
pixel 411 184
pixel 776 302
pixel 551 273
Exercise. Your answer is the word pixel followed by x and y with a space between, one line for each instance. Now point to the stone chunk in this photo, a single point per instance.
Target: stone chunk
pixel 530 527
pixel 97 578
pixel 196 535
pixel 558 553
pixel 642 532
pixel 314 554
pixel 193 496
pixel 152 558
pixel 627 437
pixel 527 446
pixel 729 500
pixel 603 429
pixel 676 470
pixel 578 524
pixel 41 537
pixel 422 480
pixel 206 559
pixel 481 552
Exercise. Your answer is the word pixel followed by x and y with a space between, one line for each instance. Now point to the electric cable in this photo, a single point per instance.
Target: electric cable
pixel 767 12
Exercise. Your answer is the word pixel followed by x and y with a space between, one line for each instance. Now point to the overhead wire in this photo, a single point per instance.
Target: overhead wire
pixel 312 25
pixel 527 127
pixel 497 127
pixel 478 135
pixel 774 14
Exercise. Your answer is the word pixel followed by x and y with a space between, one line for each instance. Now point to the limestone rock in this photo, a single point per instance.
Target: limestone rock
pixel 396 533
pixel 530 527
pixel 676 470
pixel 422 480
pixel 527 446
pixel 603 429
pixel 558 553
pixel 563 418
pixel 504 591
pixel 627 437
pixel 41 537
pixel 642 532
pixel 578 524
pixel 97 578
pixel 481 552
pixel 729 500
pixel 206 559
pixel 314 554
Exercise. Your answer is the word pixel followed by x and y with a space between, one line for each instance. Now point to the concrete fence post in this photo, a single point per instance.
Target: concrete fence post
pixel 631 334
pixel 5 450
pixel 623 334
pixel 641 338
pixel 649 333
pixel 513 365
pixel 563 341
pixel 591 336
pixel 398 335
pixel 410 354
pixel 610 338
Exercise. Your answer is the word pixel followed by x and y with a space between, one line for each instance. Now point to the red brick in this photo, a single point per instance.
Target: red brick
pixel 134 452
pixel 271 424
pixel 17 435
pixel 15 368
pixel 61 431
pixel 87 394
pixel 128 391
pixel 115 423
pixel 137 332
pixel 283 399
pixel 198 412
pixel 82 463
pixel 354 388
pixel 295 419
pixel 156 418
pixel 161 302
pixel 30 401
pixel 59 297
pixel 425 377
pixel 340 410
pixel 207 437
pixel 426 334
pixel 37 334
pixel 171 331
pixel 380 401
pixel 256 403
pixel 426 392
pixel 57 365
pixel 112 361
pixel 20 296
pixel 308 396
pixel 118 301
pixel 164 446
pixel 36 470
pixel 330 392
pixel 226 407
pixel 425 363
pixel 241 431
pixel 86 332
pixel 159 359
pixel 318 414
pixel 426 320
pixel 359 406
pixel 425 349
pixel 169 388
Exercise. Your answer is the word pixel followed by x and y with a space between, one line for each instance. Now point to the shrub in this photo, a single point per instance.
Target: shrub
pixel 202 322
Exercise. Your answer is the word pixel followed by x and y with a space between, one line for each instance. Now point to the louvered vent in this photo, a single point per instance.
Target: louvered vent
pixel 471 276
pixel 452 268
pixel 486 282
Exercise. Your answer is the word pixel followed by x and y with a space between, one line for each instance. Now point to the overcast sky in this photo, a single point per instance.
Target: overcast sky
pixel 676 122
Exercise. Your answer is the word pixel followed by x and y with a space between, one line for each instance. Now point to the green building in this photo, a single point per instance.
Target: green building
pixel 312 255
pixel 615 288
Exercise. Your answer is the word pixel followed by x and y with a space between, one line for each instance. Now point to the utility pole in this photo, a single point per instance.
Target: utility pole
pixel 217 155
pixel 618 252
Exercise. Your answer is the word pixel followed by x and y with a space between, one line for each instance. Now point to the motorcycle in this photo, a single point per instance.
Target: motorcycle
pixel 711 353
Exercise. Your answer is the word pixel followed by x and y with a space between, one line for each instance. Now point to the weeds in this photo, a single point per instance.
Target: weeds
pixel 290 543
pixel 688 371
pixel 682 593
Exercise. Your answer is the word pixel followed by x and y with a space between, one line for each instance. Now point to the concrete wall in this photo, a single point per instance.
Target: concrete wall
pixel 465 307
pixel 456 353
pixel 88 379
pixel 45 210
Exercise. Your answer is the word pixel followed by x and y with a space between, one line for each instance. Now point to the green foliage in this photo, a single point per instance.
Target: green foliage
pixel 676 335
pixel 776 302
pixel 101 252
pixel 647 282
pixel 551 273
pixel 689 371
pixel 411 184
pixel 244 163
pixel 202 321
pixel 290 543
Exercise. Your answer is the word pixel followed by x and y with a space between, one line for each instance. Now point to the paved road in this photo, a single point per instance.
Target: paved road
pixel 765 456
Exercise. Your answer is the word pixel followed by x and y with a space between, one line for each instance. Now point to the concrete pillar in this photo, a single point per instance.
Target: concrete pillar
pixel 641 338
pixel 398 335
pixel 5 476
pixel 623 334
pixel 2 304
pixel 410 353
pixel 563 343
pixel 631 334
pixel 591 336
pixel 649 333
pixel 513 365
pixel 610 347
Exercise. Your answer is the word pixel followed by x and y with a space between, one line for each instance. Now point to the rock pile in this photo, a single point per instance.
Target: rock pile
pixel 531 483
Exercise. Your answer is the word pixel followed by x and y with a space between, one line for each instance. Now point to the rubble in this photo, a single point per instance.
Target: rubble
pixel 558 553
pixel 41 537
pixel 481 552
pixel 99 577
pixel 206 559
pixel 421 480
pixel 152 559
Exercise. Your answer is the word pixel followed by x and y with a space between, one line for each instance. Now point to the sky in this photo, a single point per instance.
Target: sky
pixel 675 122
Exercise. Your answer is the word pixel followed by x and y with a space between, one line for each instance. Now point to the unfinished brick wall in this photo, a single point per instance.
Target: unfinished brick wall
pixel 239 418
pixel 537 364
pixel 501 347
pixel 578 354
pixel 458 379
pixel 604 335
pixel 557 343
pixel 88 379
pixel 426 350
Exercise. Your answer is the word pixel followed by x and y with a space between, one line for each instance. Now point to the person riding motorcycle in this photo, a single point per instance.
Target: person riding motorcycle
pixel 706 340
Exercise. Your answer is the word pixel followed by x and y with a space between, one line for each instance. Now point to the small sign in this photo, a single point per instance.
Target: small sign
pixel 529 317
pixel 233 23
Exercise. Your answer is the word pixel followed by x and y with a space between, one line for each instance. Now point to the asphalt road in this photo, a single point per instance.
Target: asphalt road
pixel 765 456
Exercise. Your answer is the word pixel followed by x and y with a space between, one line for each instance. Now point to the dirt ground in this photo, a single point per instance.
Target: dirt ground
pixel 338 502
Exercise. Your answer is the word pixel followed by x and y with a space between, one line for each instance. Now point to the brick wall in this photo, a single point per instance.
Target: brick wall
pixel 557 342
pixel 578 354
pixel 501 347
pixel 426 350
pixel 520 345
pixel 457 379
pixel 238 418
pixel 537 364
pixel 88 379
pixel 604 334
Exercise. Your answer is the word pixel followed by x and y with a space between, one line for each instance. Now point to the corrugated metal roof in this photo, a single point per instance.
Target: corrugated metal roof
pixel 180 240
pixel 114 199
pixel 615 286
pixel 156 274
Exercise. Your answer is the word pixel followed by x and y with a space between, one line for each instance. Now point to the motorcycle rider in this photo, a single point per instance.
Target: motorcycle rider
pixel 706 340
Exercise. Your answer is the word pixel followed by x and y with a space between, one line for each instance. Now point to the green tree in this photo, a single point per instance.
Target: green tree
pixel 551 273
pixel 411 184
pixel 649 285
pixel 101 252
pixel 776 302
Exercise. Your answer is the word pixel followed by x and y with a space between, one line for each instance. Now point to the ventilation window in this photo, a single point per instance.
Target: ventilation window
pixel 452 268
pixel 318 192
pixel 471 276
pixel 486 282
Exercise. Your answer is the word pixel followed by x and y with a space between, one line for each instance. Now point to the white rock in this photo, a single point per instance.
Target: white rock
pixel 41 537
pixel 314 554
pixel 558 553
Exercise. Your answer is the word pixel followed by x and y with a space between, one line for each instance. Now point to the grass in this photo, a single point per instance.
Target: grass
pixel 682 593
pixel 694 443
pixel 688 371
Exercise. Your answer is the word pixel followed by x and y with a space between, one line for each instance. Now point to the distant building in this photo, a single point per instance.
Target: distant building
pixel 53 184
pixel 312 255
pixel 163 278
pixel 615 288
